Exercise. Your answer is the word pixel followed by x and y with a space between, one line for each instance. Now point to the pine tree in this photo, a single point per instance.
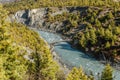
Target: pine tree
pixel 48 68
pixel 92 20
pixel 87 35
pixel 98 23
pixel 101 32
pixel 73 75
pixel 108 34
pixel 107 73
pixel 107 45
pixel 117 30
pixel 77 74
pixel 82 75
pixel 110 16
pixel 93 36
pixel 82 41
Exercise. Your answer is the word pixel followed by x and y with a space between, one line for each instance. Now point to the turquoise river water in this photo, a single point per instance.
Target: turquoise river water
pixel 74 57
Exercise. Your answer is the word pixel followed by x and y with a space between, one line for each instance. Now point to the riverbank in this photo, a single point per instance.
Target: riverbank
pixel 51 31
pixel 63 67
pixel 73 57
pixel 102 61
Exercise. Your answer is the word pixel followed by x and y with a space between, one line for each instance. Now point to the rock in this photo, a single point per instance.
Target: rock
pixel 20 16
pixel 37 16
pixel 92 48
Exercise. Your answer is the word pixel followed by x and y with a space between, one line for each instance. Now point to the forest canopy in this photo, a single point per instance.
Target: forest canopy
pixel 31 4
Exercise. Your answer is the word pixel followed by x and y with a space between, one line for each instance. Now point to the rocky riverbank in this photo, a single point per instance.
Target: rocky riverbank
pixel 103 60
pixel 57 58
pixel 63 67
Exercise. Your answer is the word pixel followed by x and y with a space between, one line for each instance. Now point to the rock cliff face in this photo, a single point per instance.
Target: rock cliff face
pixel 30 17
pixel 35 17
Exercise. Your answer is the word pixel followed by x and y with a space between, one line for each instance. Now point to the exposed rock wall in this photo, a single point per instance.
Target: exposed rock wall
pixel 37 17
pixel 34 17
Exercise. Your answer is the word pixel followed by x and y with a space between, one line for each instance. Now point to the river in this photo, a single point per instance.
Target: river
pixel 74 57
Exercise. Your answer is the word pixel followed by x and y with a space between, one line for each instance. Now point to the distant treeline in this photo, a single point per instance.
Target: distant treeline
pixel 30 4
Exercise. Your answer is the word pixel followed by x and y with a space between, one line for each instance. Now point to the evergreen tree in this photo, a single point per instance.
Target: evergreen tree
pixel 77 74
pixel 116 30
pixel 83 41
pixel 98 23
pixel 107 45
pixel 48 67
pixel 82 75
pixel 92 20
pixel 108 34
pixel 87 35
pixel 73 75
pixel 101 32
pixel 107 73
pixel 93 36
pixel 110 15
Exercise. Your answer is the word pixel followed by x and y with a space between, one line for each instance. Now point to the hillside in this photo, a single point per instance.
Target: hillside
pixel 31 4
pixel 23 54
pixel 93 26
pixel 91 29
pixel 92 17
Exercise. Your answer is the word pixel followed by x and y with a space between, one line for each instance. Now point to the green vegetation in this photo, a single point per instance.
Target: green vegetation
pixel 107 73
pixel 16 41
pixel 100 34
pixel 30 4
pixel 101 21
pixel 43 63
pixel 78 74
pixel 12 64
pixel 97 30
